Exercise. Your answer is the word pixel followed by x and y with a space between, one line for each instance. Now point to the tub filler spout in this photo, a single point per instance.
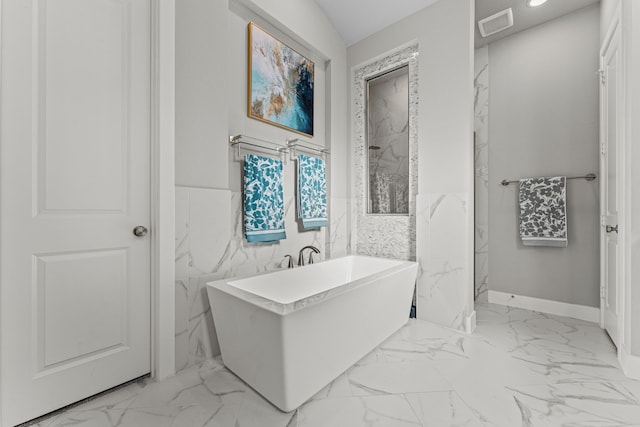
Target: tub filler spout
pixel 290 263
pixel 301 258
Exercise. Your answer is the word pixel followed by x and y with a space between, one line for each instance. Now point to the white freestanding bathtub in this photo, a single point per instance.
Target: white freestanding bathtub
pixel 291 332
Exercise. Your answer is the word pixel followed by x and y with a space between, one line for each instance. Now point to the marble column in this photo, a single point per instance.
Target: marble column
pixel 481 131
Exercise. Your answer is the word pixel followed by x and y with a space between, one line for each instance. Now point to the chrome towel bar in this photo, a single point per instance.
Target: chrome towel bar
pixel 588 177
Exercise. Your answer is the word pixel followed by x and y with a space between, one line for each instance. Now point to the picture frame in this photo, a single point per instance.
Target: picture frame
pixel 280 83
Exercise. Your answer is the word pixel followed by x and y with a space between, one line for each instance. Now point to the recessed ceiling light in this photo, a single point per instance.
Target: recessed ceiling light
pixel 534 3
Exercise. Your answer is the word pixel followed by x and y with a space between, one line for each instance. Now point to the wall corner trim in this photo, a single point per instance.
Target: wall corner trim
pixel 630 363
pixel 582 312
pixel 163 188
pixel 470 323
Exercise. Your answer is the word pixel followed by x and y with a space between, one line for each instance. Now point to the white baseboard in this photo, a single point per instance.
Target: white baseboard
pixel 470 323
pixel 630 363
pixel 582 312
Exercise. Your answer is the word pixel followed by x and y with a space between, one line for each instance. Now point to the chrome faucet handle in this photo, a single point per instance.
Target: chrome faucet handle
pixel 290 263
pixel 311 257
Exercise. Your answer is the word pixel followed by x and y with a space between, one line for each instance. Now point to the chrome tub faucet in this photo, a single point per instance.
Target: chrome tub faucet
pixel 300 254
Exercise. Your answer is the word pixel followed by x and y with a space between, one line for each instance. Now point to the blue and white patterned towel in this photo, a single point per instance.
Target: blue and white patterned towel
pixel 543 211
pixel 263 199
pixel 312 191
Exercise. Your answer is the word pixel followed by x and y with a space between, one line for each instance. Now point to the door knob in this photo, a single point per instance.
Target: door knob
pixel 612 228
pixel 140 231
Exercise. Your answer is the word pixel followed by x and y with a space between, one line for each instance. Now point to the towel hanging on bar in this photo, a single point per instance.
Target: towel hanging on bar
pixel 263 199
pixel 312 191
pixel 543 216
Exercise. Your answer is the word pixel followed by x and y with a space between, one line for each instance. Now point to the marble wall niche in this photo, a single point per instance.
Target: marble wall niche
pixel 390 236
pixel 388 142
pixel 481 165
pixel 445 121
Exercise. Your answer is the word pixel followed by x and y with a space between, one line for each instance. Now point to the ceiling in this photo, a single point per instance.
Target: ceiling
pixel 523 16
pixel 358 19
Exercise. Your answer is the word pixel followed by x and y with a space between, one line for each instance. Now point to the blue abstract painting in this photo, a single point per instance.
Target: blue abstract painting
pixel 280 83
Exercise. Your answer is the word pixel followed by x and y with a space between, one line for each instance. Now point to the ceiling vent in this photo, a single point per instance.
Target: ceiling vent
pixel 496 23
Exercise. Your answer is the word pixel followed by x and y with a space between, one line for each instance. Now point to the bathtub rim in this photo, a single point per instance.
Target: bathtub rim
pixel 283 309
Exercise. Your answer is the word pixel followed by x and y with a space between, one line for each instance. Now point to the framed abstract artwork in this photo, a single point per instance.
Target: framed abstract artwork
pixel 280 88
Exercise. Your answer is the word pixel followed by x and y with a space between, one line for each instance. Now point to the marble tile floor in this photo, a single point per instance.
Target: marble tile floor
pixel 520 368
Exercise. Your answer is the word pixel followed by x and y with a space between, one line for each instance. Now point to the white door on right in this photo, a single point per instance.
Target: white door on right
pixel 610 106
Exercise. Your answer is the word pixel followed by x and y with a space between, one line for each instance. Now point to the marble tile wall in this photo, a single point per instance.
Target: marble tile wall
pixel 481 129
pixel 338 237
pixel 390 236
pixel 443 267
pixel 210 245
pixel 203 240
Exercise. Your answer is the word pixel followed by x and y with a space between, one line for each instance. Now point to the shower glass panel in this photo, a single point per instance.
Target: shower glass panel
pixel 387 141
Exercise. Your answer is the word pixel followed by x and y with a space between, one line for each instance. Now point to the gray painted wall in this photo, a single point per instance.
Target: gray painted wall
pixel 202 118
pixel 544 122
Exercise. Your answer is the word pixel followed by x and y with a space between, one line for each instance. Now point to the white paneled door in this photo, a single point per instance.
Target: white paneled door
pixel 610 113
pixel 74 183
